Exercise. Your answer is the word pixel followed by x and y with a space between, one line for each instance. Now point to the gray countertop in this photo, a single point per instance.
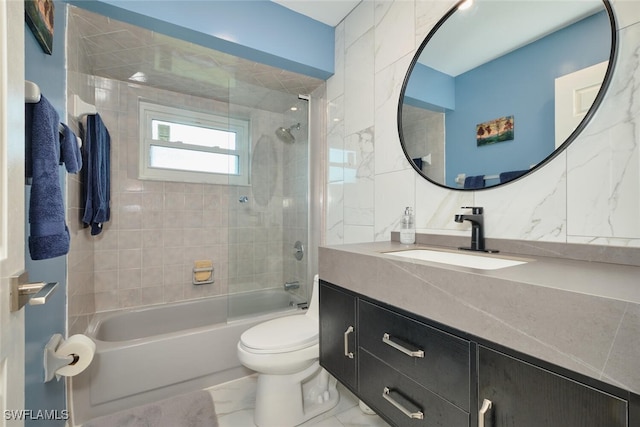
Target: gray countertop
pixel 581 315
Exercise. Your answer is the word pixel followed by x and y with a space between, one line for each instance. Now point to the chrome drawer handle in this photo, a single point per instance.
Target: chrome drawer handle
pixel 347 353
pixel 415 415
pixel 386 338
pixel 486 407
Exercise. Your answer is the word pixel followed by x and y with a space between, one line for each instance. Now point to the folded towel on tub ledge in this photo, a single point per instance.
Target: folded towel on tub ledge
pixel 187 410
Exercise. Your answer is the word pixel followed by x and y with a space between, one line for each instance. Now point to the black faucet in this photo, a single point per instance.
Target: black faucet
pixel 477 229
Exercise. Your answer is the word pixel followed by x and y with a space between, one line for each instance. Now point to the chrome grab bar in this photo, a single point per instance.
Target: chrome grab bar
pixel 386 394
pixel 347 353
pixel 386 338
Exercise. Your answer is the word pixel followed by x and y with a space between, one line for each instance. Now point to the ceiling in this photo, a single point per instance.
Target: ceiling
pixel 467 41
pixel 120 51
pixel 330 12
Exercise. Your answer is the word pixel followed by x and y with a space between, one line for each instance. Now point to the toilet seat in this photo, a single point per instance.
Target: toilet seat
pixel 281 335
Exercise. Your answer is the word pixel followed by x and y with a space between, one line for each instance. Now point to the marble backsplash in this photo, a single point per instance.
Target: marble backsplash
pixel 588 194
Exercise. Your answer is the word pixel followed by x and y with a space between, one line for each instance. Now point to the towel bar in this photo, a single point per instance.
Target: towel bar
pixel 79 108
pixel 23 293
pixel 31 92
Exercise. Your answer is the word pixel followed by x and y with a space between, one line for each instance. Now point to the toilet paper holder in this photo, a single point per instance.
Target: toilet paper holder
pixel 53 362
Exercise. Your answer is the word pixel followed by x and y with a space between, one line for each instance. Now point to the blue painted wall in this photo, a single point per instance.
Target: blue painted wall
pixel 519 84
pixel 430 89
pixel 41 322
pixel 258 30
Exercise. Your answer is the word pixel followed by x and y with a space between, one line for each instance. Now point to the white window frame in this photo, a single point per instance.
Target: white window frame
pixel 151 111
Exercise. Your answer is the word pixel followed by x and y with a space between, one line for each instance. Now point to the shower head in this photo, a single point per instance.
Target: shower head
pixel 285 135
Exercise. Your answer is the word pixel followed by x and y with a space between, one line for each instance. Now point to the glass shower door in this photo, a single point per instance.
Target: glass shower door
pixel 268 217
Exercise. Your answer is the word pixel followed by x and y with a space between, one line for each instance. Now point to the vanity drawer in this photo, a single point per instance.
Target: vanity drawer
pixel 440 361
pixel 402 400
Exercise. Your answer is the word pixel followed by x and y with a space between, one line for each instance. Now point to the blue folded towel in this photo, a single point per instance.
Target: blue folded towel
pixel 474 181
pixel 69 150
pixel 508 176
pixel 97 181
pixel 49 235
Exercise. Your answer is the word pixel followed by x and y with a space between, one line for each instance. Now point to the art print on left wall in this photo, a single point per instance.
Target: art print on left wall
pixel 39 17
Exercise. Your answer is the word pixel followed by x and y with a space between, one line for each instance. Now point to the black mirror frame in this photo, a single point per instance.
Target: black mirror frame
pixel 583 123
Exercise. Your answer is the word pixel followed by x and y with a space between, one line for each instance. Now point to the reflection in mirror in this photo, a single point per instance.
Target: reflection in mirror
pixel 264 172
pixel 500 88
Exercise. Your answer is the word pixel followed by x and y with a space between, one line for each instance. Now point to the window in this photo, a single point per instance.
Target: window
pixel 189 146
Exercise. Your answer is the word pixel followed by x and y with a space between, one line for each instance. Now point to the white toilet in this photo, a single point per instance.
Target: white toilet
pixel 292 387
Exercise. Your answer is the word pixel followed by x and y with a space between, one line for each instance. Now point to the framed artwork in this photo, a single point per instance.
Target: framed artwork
pixel 39 17
pixel 494 131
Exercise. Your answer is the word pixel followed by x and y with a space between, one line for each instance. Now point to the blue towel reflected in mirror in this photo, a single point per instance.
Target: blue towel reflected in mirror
pixel 474 181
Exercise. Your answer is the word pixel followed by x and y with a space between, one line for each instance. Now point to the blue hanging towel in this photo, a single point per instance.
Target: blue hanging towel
pixel 97 170
pixel 474 181
pixel 69 151
pixel 48 234
pixel 508 176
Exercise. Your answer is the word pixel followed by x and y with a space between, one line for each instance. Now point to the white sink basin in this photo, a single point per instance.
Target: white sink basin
pixel 460 259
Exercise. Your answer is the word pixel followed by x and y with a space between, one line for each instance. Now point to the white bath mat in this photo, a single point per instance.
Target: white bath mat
pixel 187 410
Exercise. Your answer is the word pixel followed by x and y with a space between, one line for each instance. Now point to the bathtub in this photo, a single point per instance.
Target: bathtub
pixel 152 353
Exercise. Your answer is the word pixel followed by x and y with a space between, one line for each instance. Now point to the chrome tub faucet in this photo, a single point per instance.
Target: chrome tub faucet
pixel 289 286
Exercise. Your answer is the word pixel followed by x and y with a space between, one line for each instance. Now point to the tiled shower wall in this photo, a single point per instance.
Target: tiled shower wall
pixel 146 253
pixel 295 176
pixel 80 265
pixel 423 131
pixel 158 229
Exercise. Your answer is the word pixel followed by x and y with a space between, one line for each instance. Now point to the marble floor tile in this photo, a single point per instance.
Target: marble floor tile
pixel 235 401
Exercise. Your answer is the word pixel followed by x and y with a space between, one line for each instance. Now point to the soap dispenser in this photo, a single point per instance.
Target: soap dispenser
pixel 407 230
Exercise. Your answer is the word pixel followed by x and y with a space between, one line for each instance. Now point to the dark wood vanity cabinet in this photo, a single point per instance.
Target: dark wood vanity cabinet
pixel 409 373
pixel 401 400
pixel 338 352
pixel 413 373
pixel 524 395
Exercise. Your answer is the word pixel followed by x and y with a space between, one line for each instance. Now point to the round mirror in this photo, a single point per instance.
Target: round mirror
pixel 498 88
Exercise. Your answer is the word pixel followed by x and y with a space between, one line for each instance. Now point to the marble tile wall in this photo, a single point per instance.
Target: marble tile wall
pixel 588 194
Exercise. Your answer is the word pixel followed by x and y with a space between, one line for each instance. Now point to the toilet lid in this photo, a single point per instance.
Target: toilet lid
pixel 283 334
